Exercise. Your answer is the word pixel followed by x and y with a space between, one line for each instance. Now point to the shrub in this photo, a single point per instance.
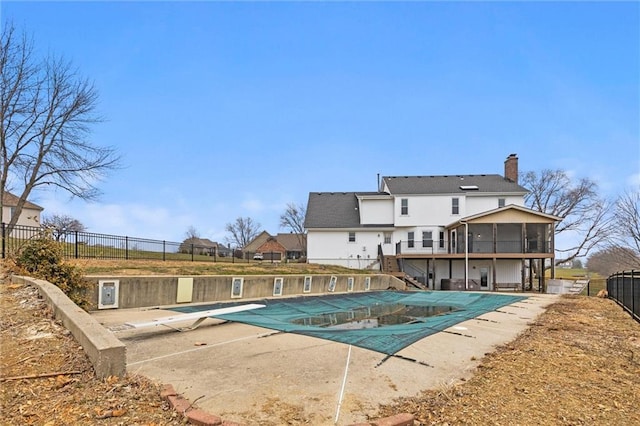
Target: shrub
pixel 42 257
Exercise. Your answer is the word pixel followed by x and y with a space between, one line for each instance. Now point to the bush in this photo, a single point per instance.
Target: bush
pixel 42 257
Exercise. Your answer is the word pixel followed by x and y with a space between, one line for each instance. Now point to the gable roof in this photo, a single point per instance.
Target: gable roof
pixel 501 210
pixel 10 200
pixel 291 241
pixel 336 210
pixel 257 241
pixel 450 184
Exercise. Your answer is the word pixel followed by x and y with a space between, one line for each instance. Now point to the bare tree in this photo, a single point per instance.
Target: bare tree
pixel 627 221
pixel 242 231
pixel 293 220
pixel 62 225
pixel 613 259
pixel 192 233
pixel 46 112
pixel 585 216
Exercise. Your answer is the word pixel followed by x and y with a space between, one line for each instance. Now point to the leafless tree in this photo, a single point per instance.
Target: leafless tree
pixel 627 221
pixel 192 233
pixel 293 220
pixel 613 259
pixel 242 231
pixel 46 112
pixel 62 225
pixel 585 216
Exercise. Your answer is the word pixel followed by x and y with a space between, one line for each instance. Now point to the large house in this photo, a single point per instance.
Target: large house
pixel 30 215
pixel 438 232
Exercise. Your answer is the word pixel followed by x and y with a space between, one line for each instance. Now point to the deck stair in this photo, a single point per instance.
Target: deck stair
pixel 390 266
pixel 578 286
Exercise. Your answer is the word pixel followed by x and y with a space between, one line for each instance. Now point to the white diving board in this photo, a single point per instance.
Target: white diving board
pixel 197 316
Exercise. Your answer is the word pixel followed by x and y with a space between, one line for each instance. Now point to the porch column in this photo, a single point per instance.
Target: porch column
pixel 552 237
pixel 495 238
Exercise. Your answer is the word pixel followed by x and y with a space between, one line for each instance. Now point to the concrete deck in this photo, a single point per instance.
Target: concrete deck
pixel 249 374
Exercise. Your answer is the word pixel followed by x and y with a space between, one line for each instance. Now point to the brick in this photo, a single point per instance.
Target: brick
pixel 404 419
pixel 178 403
pixel 201 418
pixel 167 390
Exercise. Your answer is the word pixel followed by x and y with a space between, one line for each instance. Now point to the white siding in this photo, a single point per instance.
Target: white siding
pixel 376 212
pixel 478 204
pixel 333 247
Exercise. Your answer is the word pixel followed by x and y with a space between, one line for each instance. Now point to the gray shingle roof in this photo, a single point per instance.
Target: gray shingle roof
pixel 332 210
pixel 450 184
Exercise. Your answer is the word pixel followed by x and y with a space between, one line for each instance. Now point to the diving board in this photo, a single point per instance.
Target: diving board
pixel 199 317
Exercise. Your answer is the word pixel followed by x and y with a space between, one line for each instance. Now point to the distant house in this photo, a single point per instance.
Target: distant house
pixel 290 246
pixel 272 250
pixel 30 215
pixel 295 245
pixel 253 246
pixel 202 246
pixel 441 231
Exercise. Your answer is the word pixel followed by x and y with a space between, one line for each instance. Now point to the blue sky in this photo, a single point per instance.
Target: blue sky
pixel 225 109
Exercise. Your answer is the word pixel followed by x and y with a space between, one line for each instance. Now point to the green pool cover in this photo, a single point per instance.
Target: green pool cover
pixel 383 321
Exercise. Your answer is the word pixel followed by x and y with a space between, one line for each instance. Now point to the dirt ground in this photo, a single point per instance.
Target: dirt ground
pixel 578 364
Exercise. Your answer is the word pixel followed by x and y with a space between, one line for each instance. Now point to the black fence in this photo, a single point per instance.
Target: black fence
pixel 624 288
pixel 89 245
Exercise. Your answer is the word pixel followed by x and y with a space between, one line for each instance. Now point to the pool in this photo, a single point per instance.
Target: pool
pixel 382 321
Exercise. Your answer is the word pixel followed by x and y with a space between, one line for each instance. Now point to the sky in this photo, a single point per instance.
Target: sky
pixel 223 110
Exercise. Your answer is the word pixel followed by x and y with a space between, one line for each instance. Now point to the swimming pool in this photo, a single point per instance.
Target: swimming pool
pixel 382 321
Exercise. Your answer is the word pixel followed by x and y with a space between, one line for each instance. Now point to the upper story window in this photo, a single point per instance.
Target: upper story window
pixel 501 202
pixel 441 239
pixel 352 237
pixel 410 239
pixel 404 206
pixel 427 239
pixel 455 205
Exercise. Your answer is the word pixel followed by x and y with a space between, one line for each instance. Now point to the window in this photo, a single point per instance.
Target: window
pixel 352 237
pixel 387 237
pixel 455 206
pixel 427 239
pixel 404 206
pixel 410 238
pixel 441 239
pixel 500 202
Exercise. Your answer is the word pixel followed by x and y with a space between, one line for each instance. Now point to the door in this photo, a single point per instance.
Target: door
pixel 484 278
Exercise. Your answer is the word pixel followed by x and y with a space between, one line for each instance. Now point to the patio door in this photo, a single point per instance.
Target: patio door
pixel 484 279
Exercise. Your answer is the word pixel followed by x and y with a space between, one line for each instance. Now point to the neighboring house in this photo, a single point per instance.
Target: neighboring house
pixel 30 215
pixel 295 245
pixel 202 246
pixel 445 232
pixel 253 246
pixel 272 250
pixel 292 245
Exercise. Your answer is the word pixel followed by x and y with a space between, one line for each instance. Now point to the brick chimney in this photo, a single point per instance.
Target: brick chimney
pixel 511 168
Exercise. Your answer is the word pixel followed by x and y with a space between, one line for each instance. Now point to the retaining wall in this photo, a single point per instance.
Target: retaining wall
pixel 147 291
pixel 106 352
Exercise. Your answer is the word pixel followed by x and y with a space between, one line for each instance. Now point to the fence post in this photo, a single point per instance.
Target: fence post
pixel 126 248
pixel 164 250
pixel 192 252
pixel 633 293
pixel 75 249
pixel 4 237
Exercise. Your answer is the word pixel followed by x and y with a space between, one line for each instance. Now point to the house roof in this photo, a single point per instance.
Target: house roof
pixel 10 200
pixel 291 241
pixel 257 241
pixel 335 210
pixel 512 207
pixel 452 184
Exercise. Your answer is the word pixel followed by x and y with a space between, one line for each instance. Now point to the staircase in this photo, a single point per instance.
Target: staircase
pixel 390 266
pixel 578 286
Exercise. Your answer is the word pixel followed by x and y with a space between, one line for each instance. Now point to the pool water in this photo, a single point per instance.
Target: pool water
pixel 379 315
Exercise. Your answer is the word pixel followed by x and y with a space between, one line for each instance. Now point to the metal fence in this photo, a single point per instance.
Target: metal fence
pixel 624 288
pixel 89 245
